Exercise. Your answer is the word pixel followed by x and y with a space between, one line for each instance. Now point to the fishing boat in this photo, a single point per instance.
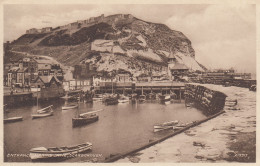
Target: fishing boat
pixel 85 118
pixel 67 107
pixel 13 119
pixel 45 112
pixel 43 153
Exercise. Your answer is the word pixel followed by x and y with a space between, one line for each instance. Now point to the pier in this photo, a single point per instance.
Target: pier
pixel 142 87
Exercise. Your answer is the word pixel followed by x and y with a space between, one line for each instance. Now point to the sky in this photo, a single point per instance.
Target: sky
pixel 223 36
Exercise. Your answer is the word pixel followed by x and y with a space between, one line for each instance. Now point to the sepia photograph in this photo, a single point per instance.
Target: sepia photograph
pixel 102 82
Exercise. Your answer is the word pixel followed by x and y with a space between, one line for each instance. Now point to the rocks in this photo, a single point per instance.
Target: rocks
pixel 198 144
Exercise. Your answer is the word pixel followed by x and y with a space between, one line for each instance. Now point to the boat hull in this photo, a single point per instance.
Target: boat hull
pixel 83 121
pixel 36 116
pixel 43 155
pixel 14 119
pixel 69 107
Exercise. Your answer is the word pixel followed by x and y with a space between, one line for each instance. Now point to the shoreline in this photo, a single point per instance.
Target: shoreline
pixel 230 137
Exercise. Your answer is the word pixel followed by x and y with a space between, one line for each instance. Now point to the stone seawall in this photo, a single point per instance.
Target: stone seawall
pixel 231 137
pixel 205 99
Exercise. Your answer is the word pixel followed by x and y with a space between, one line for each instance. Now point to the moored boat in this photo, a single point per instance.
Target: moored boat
pixel 43 153
pixel 142 98
pixel 85 118
pixel 45 112
pixel 164 98
pixel 111 101
pixel 35 116
pixel 123 99
pixel 13 119
pixel 98 97
pixel 151 96
pixel 67 107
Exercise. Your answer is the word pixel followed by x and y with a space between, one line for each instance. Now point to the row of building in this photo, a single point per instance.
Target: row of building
pixel 25 71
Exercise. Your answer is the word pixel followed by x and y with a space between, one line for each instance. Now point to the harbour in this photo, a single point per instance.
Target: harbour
pixel 105 86
pixel 117 125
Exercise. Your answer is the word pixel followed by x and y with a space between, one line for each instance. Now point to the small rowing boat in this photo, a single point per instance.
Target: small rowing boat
pixel 13 119
pixel 67 107
pixel 43 153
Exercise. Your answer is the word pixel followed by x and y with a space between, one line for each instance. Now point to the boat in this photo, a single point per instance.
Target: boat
pixel 43 153
pixel 142 98
pixel 123 99
pixel 182 125
pixel 111 100
pixel 163 128
pixel 13 119
pixel 85 118
pixel 166 124
pixel 35 116
pixel 151 96
pixel 164 98
pixel 67 107
pixel 97 97
pixel 45 112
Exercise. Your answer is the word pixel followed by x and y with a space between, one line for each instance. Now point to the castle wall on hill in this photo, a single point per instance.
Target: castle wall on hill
pixel 35 31
pixel 91 20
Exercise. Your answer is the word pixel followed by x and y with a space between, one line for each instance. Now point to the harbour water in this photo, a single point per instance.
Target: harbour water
pixel 120 128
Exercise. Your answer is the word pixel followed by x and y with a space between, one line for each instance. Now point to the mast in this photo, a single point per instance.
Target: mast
pixel 112 86
pixel 37 98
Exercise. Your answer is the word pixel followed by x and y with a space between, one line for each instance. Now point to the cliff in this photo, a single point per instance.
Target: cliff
pixel 112 42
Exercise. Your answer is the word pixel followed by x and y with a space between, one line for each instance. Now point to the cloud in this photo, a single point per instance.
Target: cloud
pixel 222 36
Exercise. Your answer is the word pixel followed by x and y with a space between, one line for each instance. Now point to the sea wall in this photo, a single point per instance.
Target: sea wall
pixel 205 99
pixel 231 137
pixel 18 99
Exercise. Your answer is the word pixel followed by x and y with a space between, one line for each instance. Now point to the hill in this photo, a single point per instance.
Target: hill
pixel 110 43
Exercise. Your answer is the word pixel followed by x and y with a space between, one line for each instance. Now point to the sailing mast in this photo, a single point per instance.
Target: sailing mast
pixel 37 98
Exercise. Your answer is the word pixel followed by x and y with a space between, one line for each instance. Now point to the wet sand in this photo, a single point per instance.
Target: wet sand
pixel 230 137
